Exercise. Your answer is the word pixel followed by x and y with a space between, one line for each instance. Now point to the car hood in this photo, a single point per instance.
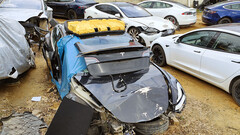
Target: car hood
pixel 155 22
pixel 20 14
pixel 145 97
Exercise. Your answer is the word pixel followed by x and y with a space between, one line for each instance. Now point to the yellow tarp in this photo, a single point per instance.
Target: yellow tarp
pixel 95 25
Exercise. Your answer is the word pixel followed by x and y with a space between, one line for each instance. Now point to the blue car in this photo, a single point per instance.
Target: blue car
pixel 223 12
pixel 71 9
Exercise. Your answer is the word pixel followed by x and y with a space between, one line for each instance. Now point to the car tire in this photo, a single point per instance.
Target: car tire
pixel 134 32
pixel 71 14
pixel 173 20
pixel 159 56
pixel 236 91
pixel 157 126
pixel 224 20
pixel 89 17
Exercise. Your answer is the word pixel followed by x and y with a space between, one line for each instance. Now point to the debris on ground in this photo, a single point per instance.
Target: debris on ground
pixel 25 123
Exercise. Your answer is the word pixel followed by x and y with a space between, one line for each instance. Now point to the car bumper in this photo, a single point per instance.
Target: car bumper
pixel 148 39
pixel 187 21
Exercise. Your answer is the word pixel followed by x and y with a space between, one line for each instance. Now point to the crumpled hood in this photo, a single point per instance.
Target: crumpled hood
pixel 19 14
pixel 145 98
pixel 155 22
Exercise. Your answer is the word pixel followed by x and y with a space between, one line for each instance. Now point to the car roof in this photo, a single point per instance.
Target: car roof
pixel 234 27
pixel 122 4
pixel 223 3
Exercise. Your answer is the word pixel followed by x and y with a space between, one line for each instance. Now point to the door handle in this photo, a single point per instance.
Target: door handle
pixel 197 51
pixel 234 61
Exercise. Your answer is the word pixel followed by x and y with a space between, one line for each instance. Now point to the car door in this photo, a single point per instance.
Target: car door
pixel 223 60
pixel 235 12
pixel 186 54
pixel 160 9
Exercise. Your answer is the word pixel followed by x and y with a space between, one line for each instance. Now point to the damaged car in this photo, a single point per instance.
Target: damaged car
pixel 16 56
pixel 29 13
pixel 107 82
pixel 140 24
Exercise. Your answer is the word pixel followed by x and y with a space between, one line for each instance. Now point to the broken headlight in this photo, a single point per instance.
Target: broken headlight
pixel 181 99
pixel 168 32
pixel 150 30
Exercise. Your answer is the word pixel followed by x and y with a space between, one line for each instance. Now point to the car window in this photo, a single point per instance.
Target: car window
pixel 200 38
pixel 227 43
pixel 114 40
pixel 112 10
pixel 25 4
pixel 102 8
pixel 161 5
pixel 108 9
pixel 146 4
pixel 134 11
pixel 234 6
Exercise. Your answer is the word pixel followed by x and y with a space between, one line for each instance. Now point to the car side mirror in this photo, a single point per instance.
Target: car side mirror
pixel 176 40
pixel 117 15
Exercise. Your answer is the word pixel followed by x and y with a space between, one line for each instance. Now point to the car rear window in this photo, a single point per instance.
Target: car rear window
pixel 25 4
pixel 113 40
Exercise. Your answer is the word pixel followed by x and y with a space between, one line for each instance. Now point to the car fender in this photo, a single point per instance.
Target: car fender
pixel 165 43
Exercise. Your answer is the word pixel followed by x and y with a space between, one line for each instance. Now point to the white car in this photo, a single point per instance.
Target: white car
pixel 211 54
pixel 140 24
pixel 27 12
pixel 177 13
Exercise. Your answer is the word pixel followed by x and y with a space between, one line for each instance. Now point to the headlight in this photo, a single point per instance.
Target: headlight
pixel 150 30
pixel 180 93
pixel 168 32
pixel 181 98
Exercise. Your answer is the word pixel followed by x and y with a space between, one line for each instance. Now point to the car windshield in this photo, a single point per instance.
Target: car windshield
pixel 25 4
pixel 133 11
pixel 104 42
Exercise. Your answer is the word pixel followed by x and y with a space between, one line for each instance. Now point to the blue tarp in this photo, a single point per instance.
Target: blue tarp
pixel 71 64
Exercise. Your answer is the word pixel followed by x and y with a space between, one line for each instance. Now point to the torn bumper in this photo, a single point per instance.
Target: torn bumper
pixel 148 39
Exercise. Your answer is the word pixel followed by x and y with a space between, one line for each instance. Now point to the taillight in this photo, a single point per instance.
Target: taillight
pixel 90 60
pixel 82 7
pixel 187 13
pixel 212 12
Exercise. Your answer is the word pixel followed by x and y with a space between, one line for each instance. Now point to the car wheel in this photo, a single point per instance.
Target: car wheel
pixel 134 32
pixel 236 91
pixel 154 127
pixel 71 14
pixel 89 17
pixel 159 55
pixel 224 20
pixel 173 20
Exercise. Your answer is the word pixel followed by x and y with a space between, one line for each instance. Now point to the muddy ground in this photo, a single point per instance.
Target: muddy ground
pixel 209 110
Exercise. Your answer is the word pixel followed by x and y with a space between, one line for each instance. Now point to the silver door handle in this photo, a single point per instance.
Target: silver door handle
pixel 197 51
pixel 236 61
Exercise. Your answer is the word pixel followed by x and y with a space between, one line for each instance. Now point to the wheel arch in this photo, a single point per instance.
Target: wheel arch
pixel 164 49
pixel 231 84
pixel 225 17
